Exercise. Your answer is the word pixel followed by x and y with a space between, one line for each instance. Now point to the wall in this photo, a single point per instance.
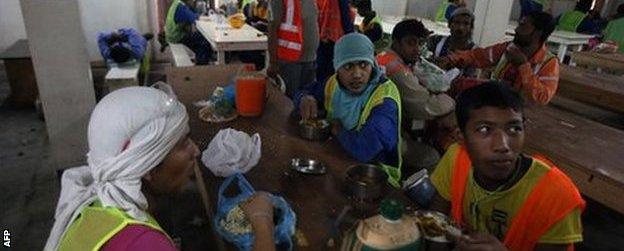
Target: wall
pixel 96 16
pixel 11 23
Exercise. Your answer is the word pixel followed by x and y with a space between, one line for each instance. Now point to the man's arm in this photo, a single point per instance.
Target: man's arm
pixel 476 58
pixel 540 88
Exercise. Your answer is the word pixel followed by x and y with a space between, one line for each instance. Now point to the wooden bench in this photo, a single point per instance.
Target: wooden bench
pixel 120 76
pixel 599 89
pixel 590 153
pixel 609 63
pixel 180 55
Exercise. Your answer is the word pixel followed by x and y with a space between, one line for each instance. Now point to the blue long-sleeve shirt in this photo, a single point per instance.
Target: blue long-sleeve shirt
pixel 184 14
pixel 135 42
pixel 376 141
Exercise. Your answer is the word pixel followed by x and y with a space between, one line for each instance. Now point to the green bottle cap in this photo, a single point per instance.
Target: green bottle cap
pixel 391 209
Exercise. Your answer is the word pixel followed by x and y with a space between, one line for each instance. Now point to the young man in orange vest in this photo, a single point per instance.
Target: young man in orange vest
pixel 293 40
pixel 504 199
pixel 524 63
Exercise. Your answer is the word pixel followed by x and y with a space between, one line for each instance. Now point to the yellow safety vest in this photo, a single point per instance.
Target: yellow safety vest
pixel 96 225
pixel 386 90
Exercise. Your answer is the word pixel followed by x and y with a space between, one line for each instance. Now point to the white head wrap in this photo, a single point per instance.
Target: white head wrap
pixel 131 131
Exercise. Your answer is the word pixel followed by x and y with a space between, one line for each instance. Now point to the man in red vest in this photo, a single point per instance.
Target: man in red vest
pixel 504 199
pixel 293 40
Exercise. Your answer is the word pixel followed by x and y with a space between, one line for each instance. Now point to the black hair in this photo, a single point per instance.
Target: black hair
pixel 472 19
pixel 620 9
pixel 583 5
pixel 119 53
pixel 409 27
pixel 493 93
pixel 543 22
pixel 363 4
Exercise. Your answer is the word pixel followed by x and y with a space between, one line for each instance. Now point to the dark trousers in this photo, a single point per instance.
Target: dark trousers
pixel 324 61
pixel 200 46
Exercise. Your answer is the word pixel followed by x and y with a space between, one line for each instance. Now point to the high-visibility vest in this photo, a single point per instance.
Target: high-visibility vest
pixel 330 20
pixel 554 192
pixel 96 225
pixel 290 32
pixel 571 20
pixel 385 90
pixel 615 32
pixel 441 13
pixel 503 64
pixel 173 31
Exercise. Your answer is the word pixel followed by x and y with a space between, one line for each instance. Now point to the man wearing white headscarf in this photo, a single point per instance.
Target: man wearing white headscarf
pixel 138 149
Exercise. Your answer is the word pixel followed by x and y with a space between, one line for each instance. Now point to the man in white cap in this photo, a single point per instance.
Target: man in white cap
pixel 139 149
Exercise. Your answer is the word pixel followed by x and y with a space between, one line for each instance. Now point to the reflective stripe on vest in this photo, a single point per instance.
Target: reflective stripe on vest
pixel 532 220
pixel 441 13
pixel 385 90
pixel 96 225
pixel 330 20
pixel 290 33
pixel 571 20
pixel 503 64
pixel 173 31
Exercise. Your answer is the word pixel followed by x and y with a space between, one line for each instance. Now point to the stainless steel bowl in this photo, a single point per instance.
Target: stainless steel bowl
pixel 366 182
pixel 307 166
pixel 314 132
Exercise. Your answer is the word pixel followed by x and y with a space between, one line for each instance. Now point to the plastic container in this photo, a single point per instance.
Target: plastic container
pixel 250 94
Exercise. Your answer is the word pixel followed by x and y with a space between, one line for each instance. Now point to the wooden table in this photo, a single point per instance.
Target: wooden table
pixel 224 38
pixel 562 39
pixel 590 153
pixel 314 199
pixel 599 89
pixel 611 62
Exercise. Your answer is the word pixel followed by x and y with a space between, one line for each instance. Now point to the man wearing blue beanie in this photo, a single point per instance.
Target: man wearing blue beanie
pixel 363 107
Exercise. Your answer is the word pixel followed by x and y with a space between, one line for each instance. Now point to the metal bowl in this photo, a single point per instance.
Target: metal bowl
pixel 307 166
pixel 313 132
pixel 366 182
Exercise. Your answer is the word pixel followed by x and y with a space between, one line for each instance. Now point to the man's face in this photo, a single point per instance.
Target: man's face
pixel 494 138
pixel 525 32
pixel 461 26
pixel 174 173
pixel 354 76
pixel 409 48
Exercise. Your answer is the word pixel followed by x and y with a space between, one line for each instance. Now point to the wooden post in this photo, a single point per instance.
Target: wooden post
pixel 61 62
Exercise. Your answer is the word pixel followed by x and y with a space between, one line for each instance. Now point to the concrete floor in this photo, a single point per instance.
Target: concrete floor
pixel 29 187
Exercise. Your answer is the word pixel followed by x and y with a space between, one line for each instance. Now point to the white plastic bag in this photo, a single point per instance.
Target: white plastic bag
pixel 232 151
pixel 431 76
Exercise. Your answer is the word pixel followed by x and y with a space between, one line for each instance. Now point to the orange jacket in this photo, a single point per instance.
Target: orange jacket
pixel 290 32
pixel 329 18
pixel 552 198
pixel 537 79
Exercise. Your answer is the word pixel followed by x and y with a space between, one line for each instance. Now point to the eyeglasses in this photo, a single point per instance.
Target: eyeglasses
pixel 359 64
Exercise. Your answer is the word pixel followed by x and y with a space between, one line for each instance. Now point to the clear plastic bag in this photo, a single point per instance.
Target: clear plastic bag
pixel 232 151
pixel 431 76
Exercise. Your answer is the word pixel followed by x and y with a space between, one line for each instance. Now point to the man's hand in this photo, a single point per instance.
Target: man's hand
pixel 336 127
pixel 273 70
pixel 479 241
pixel 516 56
pixel 259 210
pixel 443 62
pixel 308 107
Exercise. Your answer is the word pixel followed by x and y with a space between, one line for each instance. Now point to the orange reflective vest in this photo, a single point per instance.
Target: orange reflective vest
pixel 290 33
pixel 329 20
pixel 552 198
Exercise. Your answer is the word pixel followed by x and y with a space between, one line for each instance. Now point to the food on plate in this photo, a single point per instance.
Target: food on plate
pixel 316 123
pixel 236 222
pixel 433 224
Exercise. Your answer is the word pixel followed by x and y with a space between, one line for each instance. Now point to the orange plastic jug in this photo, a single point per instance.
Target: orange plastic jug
pixel 250 94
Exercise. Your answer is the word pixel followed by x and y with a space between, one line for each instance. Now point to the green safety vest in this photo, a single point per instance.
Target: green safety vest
pixel 615 32
pixel 96 225
pixel 502 64
pixel 174 32
pixel 383 91
pixel 570 20
pixel 441 14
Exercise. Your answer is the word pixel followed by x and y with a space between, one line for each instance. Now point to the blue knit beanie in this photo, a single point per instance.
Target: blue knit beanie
pixel 353 47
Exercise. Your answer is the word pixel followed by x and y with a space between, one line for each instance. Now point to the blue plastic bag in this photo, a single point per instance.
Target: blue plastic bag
pixel 284 228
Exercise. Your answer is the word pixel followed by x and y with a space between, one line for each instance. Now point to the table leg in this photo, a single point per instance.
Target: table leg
pixel 561 52
pixel 220 57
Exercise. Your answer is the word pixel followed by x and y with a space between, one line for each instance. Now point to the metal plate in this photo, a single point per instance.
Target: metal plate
pixel 307 166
